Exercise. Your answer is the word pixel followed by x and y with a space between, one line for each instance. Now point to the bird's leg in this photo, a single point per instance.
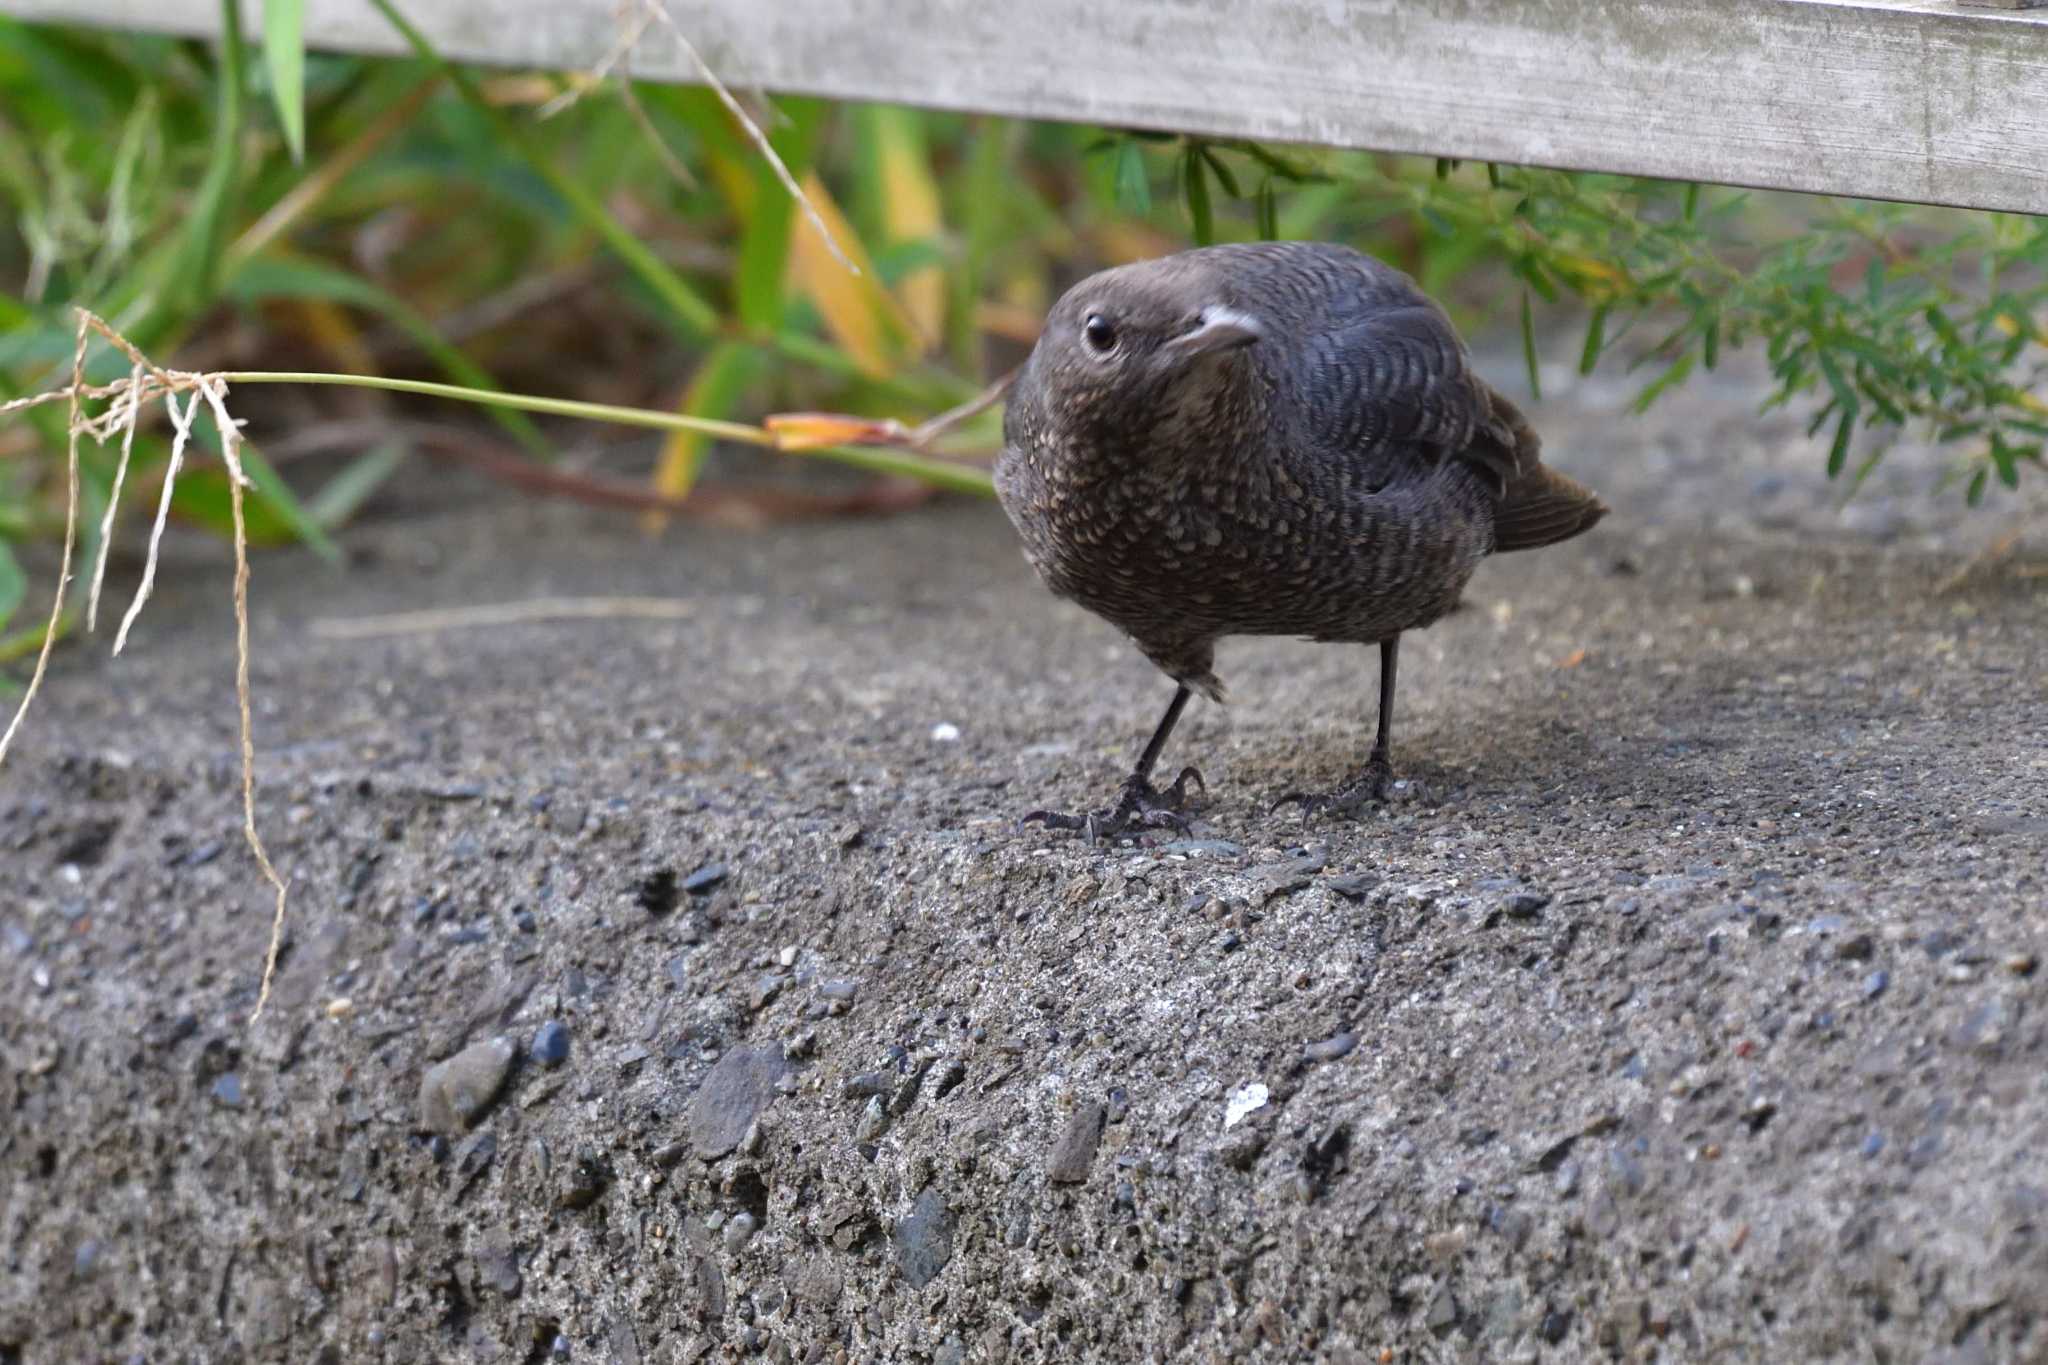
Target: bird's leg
pixel 1378 774
pixel 1140 805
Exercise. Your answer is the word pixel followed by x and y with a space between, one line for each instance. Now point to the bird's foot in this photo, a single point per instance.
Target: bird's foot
pixel 1368 788
pixel 1140 806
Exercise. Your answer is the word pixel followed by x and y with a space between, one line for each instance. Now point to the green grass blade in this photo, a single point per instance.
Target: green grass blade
pixel 1529 348
pixel 195 266
pixel 278 496
pixel 1201 217
pixel 1133 181
pixel 1268 211
pixel 982 200
pixel 273 277
pixel 344 495
pixel 13 583
pixel 284 53
pixel 685 307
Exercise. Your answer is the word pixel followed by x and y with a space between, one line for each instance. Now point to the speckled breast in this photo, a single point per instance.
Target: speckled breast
pixel 1192 562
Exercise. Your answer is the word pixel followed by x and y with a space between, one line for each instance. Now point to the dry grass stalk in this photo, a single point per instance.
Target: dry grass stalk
pixel 35 679
pixel 537 609
pixel 658 10
pixel 146 382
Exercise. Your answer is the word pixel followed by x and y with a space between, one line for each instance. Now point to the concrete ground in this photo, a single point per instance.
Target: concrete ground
pixel 1688 1008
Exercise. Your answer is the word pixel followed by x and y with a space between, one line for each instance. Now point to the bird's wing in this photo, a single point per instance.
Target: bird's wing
pixel 1388 391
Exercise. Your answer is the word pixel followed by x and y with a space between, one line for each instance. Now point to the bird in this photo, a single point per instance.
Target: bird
pixel 1267 438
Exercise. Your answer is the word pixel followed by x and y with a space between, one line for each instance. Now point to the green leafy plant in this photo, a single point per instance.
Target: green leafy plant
pixel 368 211
pixel 1892 318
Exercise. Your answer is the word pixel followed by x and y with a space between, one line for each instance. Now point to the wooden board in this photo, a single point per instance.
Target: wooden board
pixel 1924 100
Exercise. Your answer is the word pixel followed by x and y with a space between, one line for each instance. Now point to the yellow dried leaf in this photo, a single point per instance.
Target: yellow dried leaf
pixel 814 430
pixel 862 316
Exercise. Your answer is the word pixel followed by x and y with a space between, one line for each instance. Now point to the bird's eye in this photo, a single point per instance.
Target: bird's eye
pixel 1100 334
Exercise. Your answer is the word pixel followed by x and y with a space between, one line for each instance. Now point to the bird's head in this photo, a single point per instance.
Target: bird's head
pixel 1138 360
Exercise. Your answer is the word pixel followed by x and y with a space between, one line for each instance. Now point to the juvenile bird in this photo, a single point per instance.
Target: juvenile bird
pixel 1282 438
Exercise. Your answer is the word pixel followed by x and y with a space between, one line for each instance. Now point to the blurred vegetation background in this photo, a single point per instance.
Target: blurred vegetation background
pixel 231 207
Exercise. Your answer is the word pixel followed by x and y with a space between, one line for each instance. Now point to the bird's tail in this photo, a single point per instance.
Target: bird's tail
pixel 1543 507
pixel 1539 506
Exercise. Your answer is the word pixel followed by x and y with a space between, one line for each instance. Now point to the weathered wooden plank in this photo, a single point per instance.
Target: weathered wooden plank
pixel 1901 99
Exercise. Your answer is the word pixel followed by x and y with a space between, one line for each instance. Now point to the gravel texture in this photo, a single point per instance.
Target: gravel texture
pixel 1688 1008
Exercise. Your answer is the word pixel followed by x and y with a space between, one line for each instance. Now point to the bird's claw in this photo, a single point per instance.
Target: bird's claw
pixel 1140 807
pixel 1368 788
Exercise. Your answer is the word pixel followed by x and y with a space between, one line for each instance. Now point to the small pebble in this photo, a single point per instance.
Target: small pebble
pixel 700 882
pixel 1242 1102
pixel 1874 984
pixel 1331 1048
pixel 455 1093
pixel 227 1088
pixel 945 732
pixel 1074 1150
pixel 864 1085
pixel 1872 1145
pixel 1203 848
pixel 551 1043
pixel 873 1120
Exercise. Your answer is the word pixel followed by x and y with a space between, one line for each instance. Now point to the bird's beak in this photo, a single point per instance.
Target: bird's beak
pixel 1220 329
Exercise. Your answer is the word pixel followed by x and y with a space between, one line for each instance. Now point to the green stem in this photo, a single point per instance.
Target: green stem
pixel 959 478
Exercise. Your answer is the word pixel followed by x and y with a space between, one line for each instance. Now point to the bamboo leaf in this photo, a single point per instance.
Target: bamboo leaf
pixel 2005 460
pixel 1656 388
pixel 1596 331
pixel 1838 452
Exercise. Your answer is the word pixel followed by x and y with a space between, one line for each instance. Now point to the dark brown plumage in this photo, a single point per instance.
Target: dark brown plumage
pixel 1283 438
